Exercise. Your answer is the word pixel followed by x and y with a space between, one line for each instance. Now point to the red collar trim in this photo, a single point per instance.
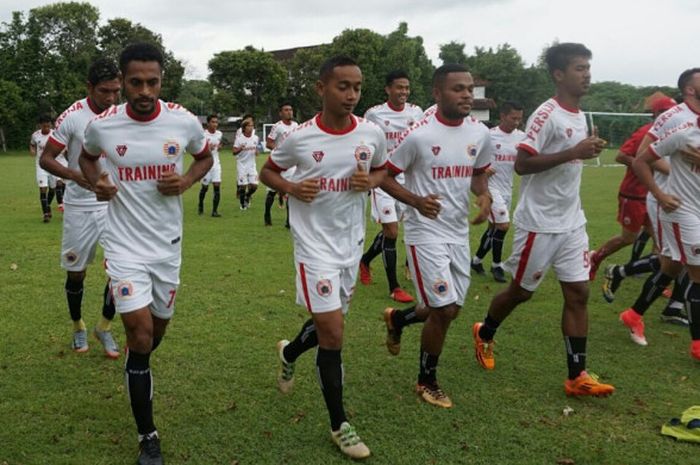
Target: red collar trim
pixel 285 123
pixel 388 103
pixel 566 107
pixel 336 132
pixel 447 122
pixel 143 118
pixel 210 131
pixel 93 107
pixel 504 131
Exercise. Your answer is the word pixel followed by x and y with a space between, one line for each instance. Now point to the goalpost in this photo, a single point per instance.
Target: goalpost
pixel 614 128
pixel 267 127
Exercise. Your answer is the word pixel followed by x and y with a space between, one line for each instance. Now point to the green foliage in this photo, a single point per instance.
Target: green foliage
pixel 196 96
pixel 301 86
pixel 453 52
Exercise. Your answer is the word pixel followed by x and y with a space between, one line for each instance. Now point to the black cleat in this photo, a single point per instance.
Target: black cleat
pixel 216 214
pixel 268 220
pixel 611 283
pixel 478 268
pixel 150 451
pixel 498 274
pixel 200 209
pixel 674 316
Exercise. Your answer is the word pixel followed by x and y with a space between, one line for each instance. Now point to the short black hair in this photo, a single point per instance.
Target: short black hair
pixel 210 117
pixel 101 70
pixel 685 78
pixel 441 73
pixel 394 75
pixel 559 56
pixel 44 118
pixel 510 105
pixel 333 62
pixel 140 51
pixel 285 104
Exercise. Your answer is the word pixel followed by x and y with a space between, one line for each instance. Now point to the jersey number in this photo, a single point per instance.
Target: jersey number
pixel 172 293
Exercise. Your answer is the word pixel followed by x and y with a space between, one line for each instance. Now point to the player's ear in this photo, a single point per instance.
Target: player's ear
pixel 319 87
pixel 558 75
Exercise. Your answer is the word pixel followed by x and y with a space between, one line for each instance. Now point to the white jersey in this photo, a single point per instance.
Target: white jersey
pixel 69 133
pixel 249 144
pixel 143 226
pixel 394 122
pixel 505 148
pixel 667 122
pixel 39 141
pixel 430 111
pixel 331 229
pixel 440 158
pixel 214 143
pixel 549 201
pixel 684 180
pixel 280 130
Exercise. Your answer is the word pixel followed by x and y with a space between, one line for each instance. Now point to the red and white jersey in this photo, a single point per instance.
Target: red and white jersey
pixel 39 141
pixel 440 158
pixel 549 201
pixel 505 148
pixel 684 179
pixel 280 130
pixel 143 225
pixel 665 124
pixel 69 134
pixel 394 122
pixel 249 144
pixel 331 229
pixel 430 111
pixel 214 143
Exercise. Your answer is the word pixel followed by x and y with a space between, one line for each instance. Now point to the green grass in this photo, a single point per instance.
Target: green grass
pixel 215 396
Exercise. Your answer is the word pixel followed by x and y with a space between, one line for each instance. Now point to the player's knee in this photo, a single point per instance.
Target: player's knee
pixel 76 276
pixel 252 188
pixel 576 296
pixel 390 230
pixel 517 294
pixel 140 339
pixel 503 226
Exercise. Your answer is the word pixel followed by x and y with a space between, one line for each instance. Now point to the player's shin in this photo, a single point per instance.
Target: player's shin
pixel 389 258
pixel 693 307
pixel 329 366
pixel 74 296
pixel 305 340
pixel 652 289
pixel 575 355
pixel 139 383
pixel 217 199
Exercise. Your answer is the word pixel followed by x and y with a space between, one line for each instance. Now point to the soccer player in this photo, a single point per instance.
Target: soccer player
pixel 443 157
pixel 279 131
pixel 245 149
pixel 84 217
pixel 143 142
pixel 505 138
pixel 394 116
pixel 550 224
pixel 214 175
pixel 339 157
pixel 46 181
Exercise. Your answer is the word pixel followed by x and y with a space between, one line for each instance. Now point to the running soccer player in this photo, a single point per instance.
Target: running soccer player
pixel 281 128
pixel 46 181
pixel 143 142
pixel 339 157
pixel 550 224
pixel 214 175
pixel 84 217
pixel 394 116
pixel 505 137
pixel 245 149
pixel 443 157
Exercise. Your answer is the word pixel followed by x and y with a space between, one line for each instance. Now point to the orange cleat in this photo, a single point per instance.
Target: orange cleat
pixel 401 296
pixel 587 385
pixel 635 322
pixel 695 350
pixel 365 274
pixel 483 350
pixel 667 293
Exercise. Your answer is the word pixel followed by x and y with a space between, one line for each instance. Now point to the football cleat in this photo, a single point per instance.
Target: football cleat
pixel 216 215
pixel 498 274
pixel 610 283
pixel 47 218
pixel 478 268
pixel 432 394
pixel 393 335
pixel 365 274
pixel 587 385
pixel 635 323
pixel 676 316
pixel 107 340
pixel 285 377
pixel 695 350
pixel 483 350
pixel 60 207
pixel 149 450
pixel 349 442
pixel 401 296
pixel 80 341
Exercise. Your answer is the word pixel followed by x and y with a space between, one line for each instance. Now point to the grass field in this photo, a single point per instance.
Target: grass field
pixel 215 396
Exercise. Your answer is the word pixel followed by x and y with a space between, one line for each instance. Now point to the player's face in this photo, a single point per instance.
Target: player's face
pixel 693 87
pixel 455 96
pixel 142 81
pixel 46 127
pixel 286 113
pixel 247 128
pixel 511 120
pixel 341 92
pixel 105 94
pixel 576 78
pixel 398 91
pixel 213 124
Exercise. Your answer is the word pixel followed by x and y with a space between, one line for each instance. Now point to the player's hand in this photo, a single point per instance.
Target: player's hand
pixel 429 206
pixel 81 180
pixel 104 189
pixel 668 202
pixel 590 147
pixel 306 190
pixel 359 181
pixel 691 154
pixel 171 183
pixel 490 171
pixel 484 203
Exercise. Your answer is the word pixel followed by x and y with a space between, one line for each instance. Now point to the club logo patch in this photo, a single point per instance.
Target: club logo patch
pixel 569 132
pixel 387 211
pixel 324 288
pixel 626 220
pixel 471 150
pixel 171 149
pixel 318 155
pixel 387 122
pixel 537 276
pixel 695 249
pixel 124 290
pixel 498 146
pixel 71 257
pixel 440 287
pixel 435 149
pixel 362 153
pixel 121 150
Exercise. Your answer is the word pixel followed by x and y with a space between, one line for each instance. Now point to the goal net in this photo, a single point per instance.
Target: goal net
pixel 616 129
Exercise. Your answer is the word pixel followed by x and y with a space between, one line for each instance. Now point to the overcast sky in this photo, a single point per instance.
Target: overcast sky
pixel 643 42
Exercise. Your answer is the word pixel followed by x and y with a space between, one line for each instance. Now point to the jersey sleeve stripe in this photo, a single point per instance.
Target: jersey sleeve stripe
pixel 380 167
pixel 393 168
pixel 90 155
pixel 527 149
pixel 274 166
pixel 305 287
pixel 56 143
pixel 653 151
pixel 653 136
pixel 199 154
pixel 481 169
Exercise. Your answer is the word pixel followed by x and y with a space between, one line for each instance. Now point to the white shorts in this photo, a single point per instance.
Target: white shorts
pixel 45 179
pixel 533 254
pixel 499 209
pixel 140 285
pixel 385 208
pixel 213 175
pixel 440 272
pixel 81 234
pixel 323 288
pixel 653 214
pixel 682 241
pixel 247 174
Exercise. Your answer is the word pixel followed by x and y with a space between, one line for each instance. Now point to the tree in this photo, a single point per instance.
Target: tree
pixel 196 96
pixel 12 111
pixel 303 70
pixel 453 52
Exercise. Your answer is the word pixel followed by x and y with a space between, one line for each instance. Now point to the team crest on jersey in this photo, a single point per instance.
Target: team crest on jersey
pixel 435 149
pixel 537 276
pixel 387 122
pixel 362 153
pixel 121 150
pixel 569 132
pixel 324 288
pixel 411 123
pixel 387 211
pixel 695 249
pixel 440 287
pixel 318 155
pixel 471 150
pixel 71 256
pixel 171 148
pixel 498 146
pixel 125 289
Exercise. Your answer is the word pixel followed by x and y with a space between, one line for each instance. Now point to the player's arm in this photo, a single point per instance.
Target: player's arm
pixel 237 148
pixel 97 179
pixel 32 148
pixel 480 188
pixel 529 162
pixel 172 183
pixel 270 144
pixel 49 163
pixel 305 190
pixel 428 206
pixel 624 159
pixel 642 166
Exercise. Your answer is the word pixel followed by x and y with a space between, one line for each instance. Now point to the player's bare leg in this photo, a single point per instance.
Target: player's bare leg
pixel 614 244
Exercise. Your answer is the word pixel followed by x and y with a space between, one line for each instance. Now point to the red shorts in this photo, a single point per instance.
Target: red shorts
pixel 632 213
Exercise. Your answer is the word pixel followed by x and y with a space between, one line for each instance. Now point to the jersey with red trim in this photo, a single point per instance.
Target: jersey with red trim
pixel 631 187
pixel 431 110
pixel 394 122
pixel 69 133
pixel 249 146
pixel 549 201
pixel 438 158
pixel 504 152
pixel 330 229
pixel 143 225
pixel 684 179
pixel 280 130
pixel 39 141
pixel 664 125
pixel 214 143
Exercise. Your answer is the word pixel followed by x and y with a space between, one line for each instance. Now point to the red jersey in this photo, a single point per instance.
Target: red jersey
pixel 631 187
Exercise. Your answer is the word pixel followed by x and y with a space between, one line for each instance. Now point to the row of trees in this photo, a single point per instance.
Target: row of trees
pixel 44 56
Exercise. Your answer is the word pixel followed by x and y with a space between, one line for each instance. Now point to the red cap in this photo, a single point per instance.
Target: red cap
pixel 662 104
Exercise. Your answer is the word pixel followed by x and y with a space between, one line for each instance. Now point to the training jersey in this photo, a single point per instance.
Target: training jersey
pixel 279 130
pixel 438 157
pixel 549 201
pixel 69 134
pixel 39 141
pixel 684 179
pixel 142 225
pixel 249 144
pixel 393 121
pixel 505 148
pixel 214 143
pixel 330 230
pixel 631 187
pixel 431 110
pixel 666 122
